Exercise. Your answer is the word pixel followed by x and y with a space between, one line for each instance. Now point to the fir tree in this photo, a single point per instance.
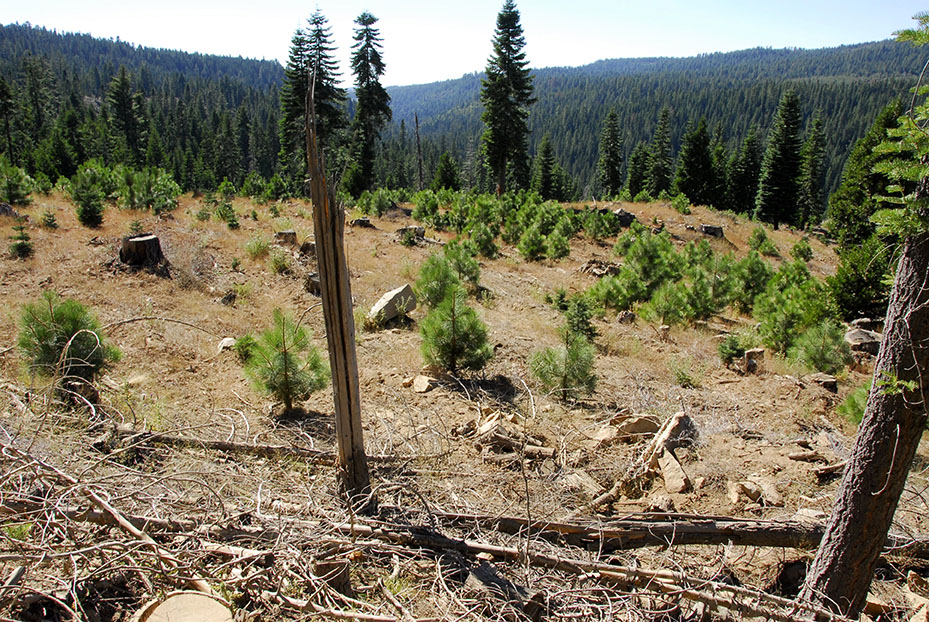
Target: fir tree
pixel 812 175
pixel 126 107
pixel 857 198
pixel 695 175
pixel 660 160
pixel 638 168
pixel 543 179
pixel 7 107
pixel 373 103
pixel 610 163
pixel 446 174
pixel 779 183
pixel 744 173
pixel 506 94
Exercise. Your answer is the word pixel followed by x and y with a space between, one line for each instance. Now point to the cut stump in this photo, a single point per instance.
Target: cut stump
pixel 141 250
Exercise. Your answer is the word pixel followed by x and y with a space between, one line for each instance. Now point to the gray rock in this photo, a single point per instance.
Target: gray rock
pixel 394 303
pixel 226 344
pixel 711 230
pixel 860 340
pixel 625 218
pixel 826 381
pixel 361 222
pixel 876 325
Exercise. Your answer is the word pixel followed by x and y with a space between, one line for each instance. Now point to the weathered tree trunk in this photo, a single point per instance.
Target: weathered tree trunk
pixel 329 223
pixel 141 250
pixel 888 437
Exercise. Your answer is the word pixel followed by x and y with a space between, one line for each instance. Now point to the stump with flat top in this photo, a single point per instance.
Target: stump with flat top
pixel 141 251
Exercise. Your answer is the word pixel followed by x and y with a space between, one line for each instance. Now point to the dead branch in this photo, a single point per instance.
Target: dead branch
pixel 156 318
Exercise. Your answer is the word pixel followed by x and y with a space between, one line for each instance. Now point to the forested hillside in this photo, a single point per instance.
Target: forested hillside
pixel 735 91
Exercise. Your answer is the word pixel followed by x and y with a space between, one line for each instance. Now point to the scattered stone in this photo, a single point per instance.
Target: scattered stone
pixel 287 237
pixel 770 496
pixel 625 218
pixel 864 323
pixel 829 383
pixel 423 384
pixel 408 382
pixel 675 479
pixel 394 303
pixel 751 360
pixel 739 491
pixel 635 427
pixel 311 284
pixel 364 223
pixel 714 231
pixel 626 317
pixel 226 344
pixel 860 340
pixel 699 482
pixel 605 435
pixel 308 248
pixel 582 480
pixel 661 504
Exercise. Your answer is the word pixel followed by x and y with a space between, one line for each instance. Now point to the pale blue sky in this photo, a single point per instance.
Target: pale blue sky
pixel 426 41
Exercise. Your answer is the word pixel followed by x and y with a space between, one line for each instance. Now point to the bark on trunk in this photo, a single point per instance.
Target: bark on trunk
pixel 141 250
pixel 888 437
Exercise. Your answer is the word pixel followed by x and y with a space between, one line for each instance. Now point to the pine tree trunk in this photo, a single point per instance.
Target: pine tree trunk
pixel 888 437
pixel 141 250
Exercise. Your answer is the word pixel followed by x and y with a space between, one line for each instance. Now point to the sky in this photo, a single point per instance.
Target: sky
pixel 431 40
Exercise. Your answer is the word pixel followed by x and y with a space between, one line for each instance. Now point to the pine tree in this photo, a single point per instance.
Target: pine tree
pixel 446 174
pixel 543 179
pixel 454 338
pixel 779 183
pixel 126 107
pixel 719 195
pixel 610 164
pixel 7 107
pixel 660 160
pixel 851 206
pixel 373 103
pixel 812 175
pixel 695 174
pixel 744 173
pixel 638 168
pixel 506 94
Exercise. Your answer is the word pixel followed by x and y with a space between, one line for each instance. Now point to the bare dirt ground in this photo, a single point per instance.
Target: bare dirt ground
pixel 174 381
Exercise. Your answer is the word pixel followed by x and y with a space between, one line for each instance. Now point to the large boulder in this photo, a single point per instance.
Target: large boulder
pixel 861 340
pixel 714 231
pixel 394 303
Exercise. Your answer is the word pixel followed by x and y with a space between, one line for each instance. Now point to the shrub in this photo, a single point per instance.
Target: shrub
pixel 61 338
pixel 750 277
pixel 88 196
pixel 226 189
pixel 792 302
pixel 436 279
pixel 578 314
pixel 686 373
pixel 618 292
pixel 733 346
pixel 652 259
pixel 284 363
pixel 15 185
pixel 483 239
pixel 48 220
pixel 461 259
pixel 853 406
pixel 453 335
pixel 427 207
pixel 566 371
pixel 643 197
pixel 243 347
pixel 557 246
pixel 225 212
pixel 253 186
pixel 257 247
pixel 802 251
pixel 861 283
pixel 681 203
pixel 20 246
pixel 279 261
pixel 822 348
pixel 758 241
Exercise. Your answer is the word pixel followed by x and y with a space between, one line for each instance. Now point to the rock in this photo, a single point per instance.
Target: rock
pixel 770 496
pixel 361 222
pixel 408 382
pixel 228 299
pixel 605 435
pixel 675 479
pixel 7 210
pixel 752 359
pixel 661 504
pixel 737 491
pixel 581 480
pixel 860 340
pixel 600 268
pixel 308 248
pixel 864 323
pixel 288 237
pixel 226 344
pixel 626 317
pixel 826 381
pixel 311 284
pixel 416 232
pixel 637 426
pixel 423 384
pixel 394 303
pixel 711 230
pixel 625 218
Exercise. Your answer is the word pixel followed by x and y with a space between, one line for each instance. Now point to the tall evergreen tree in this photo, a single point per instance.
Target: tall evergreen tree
pixel 660 158
pixel 446 174
pixel 779 184
pixel 744 173
pixel 543 179
pixel 7 106
pixel 311 54
pixel 126 107
pixel 610 163
pixel 719 195
pixel 695 175
pixel 506 94
pixel 851 206
pixel 638 168
pixel 812 175
pixel 373 103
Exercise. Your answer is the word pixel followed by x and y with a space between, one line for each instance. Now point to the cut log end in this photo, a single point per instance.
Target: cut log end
pixel 141 251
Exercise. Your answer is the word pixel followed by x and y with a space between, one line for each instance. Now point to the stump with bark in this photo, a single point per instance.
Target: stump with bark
pixel 143 251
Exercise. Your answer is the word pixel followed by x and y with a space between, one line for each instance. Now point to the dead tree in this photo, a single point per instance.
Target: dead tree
pixel 329 224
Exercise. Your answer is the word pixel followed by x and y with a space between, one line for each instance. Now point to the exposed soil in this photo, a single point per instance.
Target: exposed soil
pixel 172 379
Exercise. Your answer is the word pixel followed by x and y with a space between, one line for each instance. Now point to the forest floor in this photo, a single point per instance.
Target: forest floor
pixel 429 464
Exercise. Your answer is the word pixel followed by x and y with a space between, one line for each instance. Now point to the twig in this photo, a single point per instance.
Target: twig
pixel 160 319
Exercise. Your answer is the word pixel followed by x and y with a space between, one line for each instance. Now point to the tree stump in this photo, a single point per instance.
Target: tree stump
pixel 141 250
